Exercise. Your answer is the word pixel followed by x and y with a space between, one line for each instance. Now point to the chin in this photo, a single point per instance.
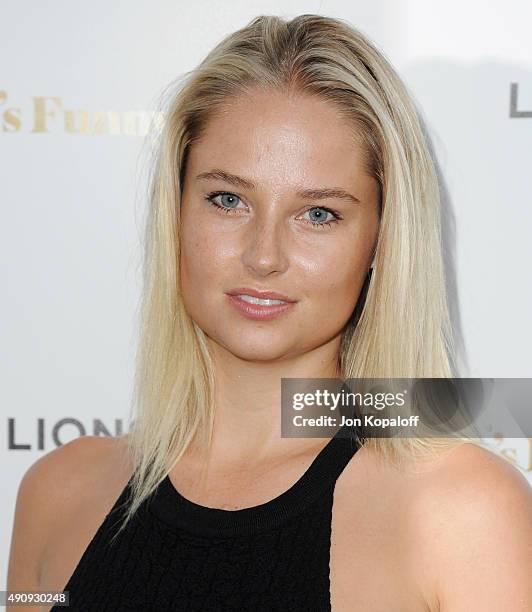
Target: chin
pixel 255 348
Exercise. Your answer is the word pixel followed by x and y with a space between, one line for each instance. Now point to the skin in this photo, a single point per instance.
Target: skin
pixel 265 239
pixel 451 534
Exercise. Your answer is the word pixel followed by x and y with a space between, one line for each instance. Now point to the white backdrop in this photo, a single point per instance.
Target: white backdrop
pixel 77 84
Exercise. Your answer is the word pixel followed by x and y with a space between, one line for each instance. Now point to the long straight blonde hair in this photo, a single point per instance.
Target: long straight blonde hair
pixel 401 329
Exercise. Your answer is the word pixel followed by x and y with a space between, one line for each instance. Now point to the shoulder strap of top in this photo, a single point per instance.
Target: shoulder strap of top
pixel 178 512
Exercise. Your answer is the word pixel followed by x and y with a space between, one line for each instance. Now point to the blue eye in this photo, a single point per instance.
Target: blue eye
pixel 231 200
pixel 319 218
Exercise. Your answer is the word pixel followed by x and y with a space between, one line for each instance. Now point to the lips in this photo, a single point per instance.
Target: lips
pixel 260 294
pixel 260 305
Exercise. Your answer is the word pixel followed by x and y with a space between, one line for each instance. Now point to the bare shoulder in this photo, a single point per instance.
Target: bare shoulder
pixel 476 475
pixel 84 472
pixel 473 488
pixel 68 473
pixel 473 514
pixel 447 534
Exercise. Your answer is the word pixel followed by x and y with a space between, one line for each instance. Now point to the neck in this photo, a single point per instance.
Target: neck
pixel 248 400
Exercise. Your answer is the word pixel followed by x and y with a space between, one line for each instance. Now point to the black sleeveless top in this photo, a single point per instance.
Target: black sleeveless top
pixel 178 555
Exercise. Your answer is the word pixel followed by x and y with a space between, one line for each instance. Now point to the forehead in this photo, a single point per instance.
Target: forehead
pixel 277 138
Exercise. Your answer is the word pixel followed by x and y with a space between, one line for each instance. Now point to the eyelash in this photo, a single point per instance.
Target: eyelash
pixel 210 198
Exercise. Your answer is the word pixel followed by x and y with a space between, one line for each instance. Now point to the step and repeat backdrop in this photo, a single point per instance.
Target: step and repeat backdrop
pixel 79 84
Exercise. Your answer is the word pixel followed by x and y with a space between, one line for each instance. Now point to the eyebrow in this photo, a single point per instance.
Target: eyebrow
pixel 308 194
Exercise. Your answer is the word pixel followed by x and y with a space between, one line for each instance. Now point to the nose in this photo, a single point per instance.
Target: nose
pixel 265 246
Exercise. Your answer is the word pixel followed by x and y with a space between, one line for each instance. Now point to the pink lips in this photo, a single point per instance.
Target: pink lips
pixel 259 312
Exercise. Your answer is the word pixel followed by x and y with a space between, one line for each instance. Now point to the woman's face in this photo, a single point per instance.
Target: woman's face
pixel 275 199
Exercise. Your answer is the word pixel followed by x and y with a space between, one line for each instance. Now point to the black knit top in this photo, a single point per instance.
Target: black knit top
pixel 178 555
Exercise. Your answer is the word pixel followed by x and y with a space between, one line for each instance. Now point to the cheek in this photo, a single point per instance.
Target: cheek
pixel 198 273
pixel 335 276
pixel 204 253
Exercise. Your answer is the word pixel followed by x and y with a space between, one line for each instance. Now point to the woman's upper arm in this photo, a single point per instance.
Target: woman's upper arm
pixel 478 530
pixel 27 536
pixel 39 505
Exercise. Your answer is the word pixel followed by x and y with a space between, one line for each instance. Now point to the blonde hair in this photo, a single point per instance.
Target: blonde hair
pixel 402 326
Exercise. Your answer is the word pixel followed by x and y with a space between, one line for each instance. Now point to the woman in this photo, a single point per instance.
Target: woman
pixel 291 162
